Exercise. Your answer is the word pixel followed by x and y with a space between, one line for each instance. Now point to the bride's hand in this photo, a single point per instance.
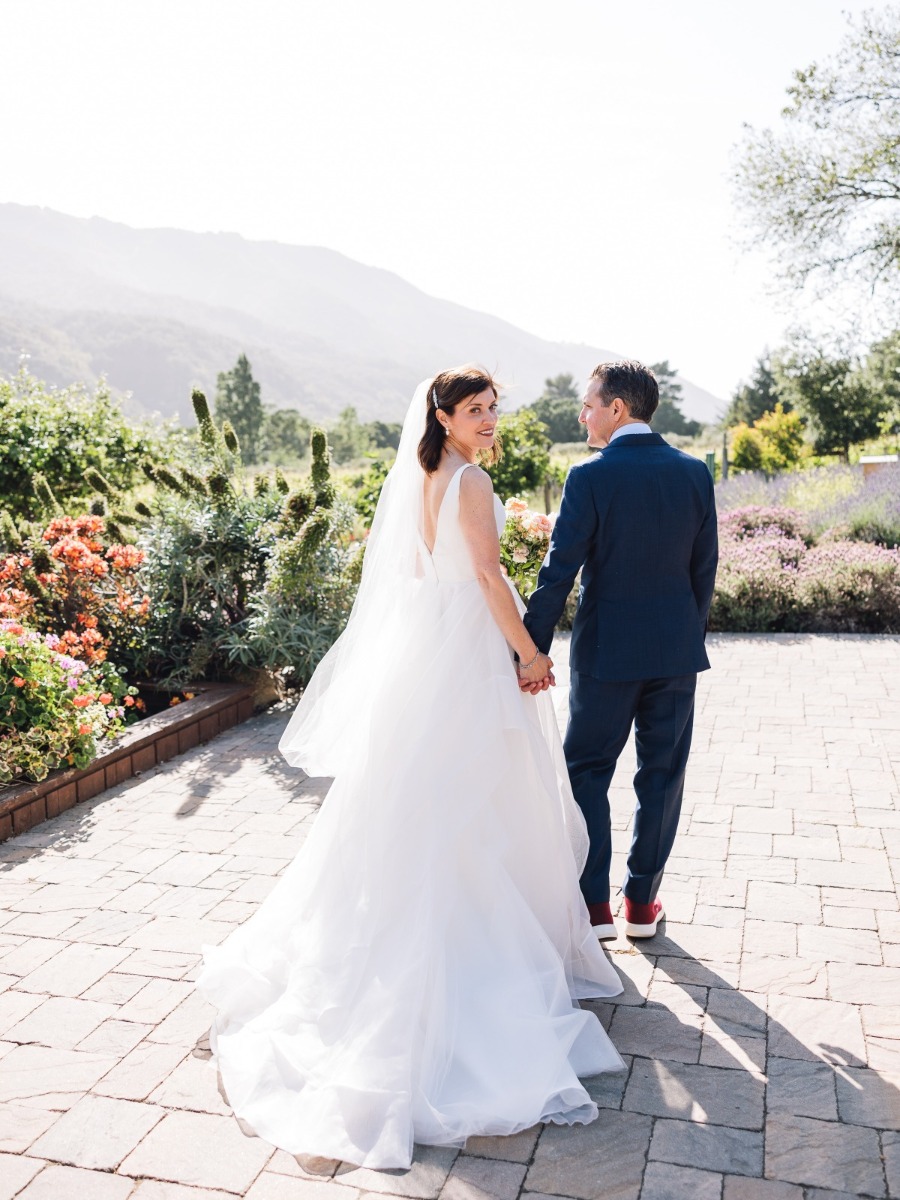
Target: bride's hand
pixel 537 671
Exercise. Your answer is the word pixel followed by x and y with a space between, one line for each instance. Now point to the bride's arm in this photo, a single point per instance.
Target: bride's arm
pixel 478 523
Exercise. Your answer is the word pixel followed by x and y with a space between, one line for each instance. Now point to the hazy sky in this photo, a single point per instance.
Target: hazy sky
pixel 564 165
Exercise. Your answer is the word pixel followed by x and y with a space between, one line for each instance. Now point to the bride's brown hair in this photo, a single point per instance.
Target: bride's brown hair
pixel 447 391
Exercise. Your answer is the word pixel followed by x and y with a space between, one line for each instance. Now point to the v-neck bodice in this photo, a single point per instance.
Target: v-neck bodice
pixel 450 560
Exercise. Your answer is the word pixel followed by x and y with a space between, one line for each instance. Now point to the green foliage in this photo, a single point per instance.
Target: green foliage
pixel 369 488
pixel 53 709
pixel 384 435
pixel 758 396
pixel 284 440
pixel 526 455
pixel 349 439
pixel 882 375
pixel 823 190
pixel 746 449
pixel 668 417
pixel 59 434
pixel 832 392
pixel 239 402
pixel 557 409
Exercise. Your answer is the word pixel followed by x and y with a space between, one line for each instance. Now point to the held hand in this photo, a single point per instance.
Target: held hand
pixel 537 671
pixel 548 681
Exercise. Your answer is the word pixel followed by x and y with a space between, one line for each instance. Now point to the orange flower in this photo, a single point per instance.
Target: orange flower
pixel 85 729
pixel 82 701
pixel 175 700
pixel 106 697
pixel 19 681
pixel 2 652
pixel 129 701
pixel 189 695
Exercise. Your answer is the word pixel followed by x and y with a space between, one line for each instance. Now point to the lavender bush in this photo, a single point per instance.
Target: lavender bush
pixel 773 578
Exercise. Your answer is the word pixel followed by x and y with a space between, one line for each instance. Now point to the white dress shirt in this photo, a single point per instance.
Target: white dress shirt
pixel 628 430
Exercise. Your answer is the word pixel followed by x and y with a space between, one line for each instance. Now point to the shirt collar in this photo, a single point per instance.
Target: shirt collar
pixel 628 430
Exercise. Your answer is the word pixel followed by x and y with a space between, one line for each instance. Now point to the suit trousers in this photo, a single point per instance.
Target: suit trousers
pixel 600 719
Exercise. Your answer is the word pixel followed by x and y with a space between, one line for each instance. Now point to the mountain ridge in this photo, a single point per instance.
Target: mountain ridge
pixel 160 311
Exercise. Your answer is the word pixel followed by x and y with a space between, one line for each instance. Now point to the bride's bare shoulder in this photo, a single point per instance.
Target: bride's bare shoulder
pixel 475 481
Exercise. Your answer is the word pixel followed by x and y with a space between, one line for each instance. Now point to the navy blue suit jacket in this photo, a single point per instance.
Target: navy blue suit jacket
pixel 639 520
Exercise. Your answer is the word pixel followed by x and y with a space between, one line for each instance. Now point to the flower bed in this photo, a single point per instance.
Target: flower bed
pixel 213 709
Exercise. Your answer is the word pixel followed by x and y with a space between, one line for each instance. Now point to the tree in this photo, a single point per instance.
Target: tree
pixel 781 433
pixel 557 408
pixel 668 417
pixel 753 399
pixel 825 190
pixel 526 455
pixel 284 439
pixel 384 435
pixel 349 439
pixel 746 449
pixel 882 372
pixel 238 400
pixel 833 394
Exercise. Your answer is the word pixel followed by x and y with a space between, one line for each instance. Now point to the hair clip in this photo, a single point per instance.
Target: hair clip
pixel 434 399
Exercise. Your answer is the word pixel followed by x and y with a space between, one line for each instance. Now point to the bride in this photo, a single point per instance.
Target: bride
pixel 414 975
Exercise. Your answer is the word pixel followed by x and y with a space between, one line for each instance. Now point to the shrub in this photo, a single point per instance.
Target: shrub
pixel 526 455
pixel 53 708
pixel 759 519
pixel 69 582
pixel 849 588
pixel 60 434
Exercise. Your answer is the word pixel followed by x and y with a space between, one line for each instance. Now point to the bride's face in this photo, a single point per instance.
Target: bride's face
pixel 473 422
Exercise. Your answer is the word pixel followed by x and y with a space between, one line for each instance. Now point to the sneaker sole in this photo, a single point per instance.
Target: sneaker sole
pixel 605 933
pixel 642 931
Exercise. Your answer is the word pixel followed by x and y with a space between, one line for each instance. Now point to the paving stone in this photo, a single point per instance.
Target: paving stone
pixel 781 902
pixel 97 1132
pixel 663 1181
pixel 709 1147
pixel 115 988
pixel 200 1151
pixel 882 1031
pixel 738 1187
pixel 865 1098
pixel 73 970
pixel 891 1146
pixel 56 1183
pixel 161 964
pixel 483 1179
pixel 115 1038
pixel 696 1093
pixel 656 1033
pixel 423 1181
pixel 157 1189
pixel 59 1021
pixel 519 1147
pixel 839 945
pixel 748 1054
pixel 601 1161
pixel 186 1023
pixel 192 1086
pixel 23 1124
pixel 807 1028
pixel 54 1078
pixel 824 1154
pixel 801 1089
pixel 873 985
pixel 140 1071
pixel 15 1007
pixel 15 1172
pixel 271 1186
pixel 783 976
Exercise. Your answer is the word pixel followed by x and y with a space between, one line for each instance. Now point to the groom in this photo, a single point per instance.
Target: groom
pixel 639 520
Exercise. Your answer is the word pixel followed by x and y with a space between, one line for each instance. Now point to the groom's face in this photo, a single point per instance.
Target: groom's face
pixel 599 419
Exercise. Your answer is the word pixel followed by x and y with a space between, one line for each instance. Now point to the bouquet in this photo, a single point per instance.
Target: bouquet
pixel 524 544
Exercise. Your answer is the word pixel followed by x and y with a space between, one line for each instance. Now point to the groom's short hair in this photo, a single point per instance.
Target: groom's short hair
pixel 632 382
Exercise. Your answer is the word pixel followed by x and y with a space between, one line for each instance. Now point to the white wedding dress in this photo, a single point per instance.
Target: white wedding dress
pixel 414 974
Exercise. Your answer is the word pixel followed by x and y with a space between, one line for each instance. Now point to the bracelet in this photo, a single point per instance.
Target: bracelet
pixel 528 665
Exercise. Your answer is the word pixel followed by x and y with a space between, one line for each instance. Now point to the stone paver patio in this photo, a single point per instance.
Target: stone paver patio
pixel 761 1028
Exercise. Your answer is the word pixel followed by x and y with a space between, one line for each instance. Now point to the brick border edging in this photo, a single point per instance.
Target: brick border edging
pixel 215 708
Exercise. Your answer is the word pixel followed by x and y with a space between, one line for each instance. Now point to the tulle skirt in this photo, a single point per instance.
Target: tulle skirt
pixel 414 974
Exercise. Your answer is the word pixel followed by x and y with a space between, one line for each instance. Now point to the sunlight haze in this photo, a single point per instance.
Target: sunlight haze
pixel 565 167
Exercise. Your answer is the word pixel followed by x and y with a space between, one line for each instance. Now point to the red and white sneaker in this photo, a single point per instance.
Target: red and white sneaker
pixel 641 920
pixel 602 921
